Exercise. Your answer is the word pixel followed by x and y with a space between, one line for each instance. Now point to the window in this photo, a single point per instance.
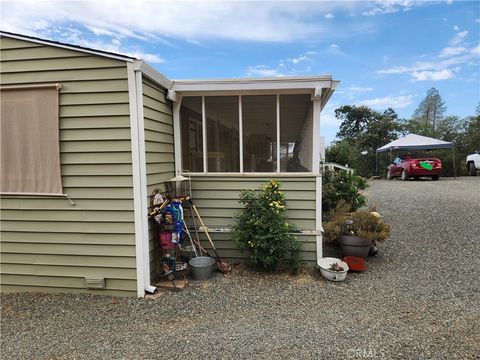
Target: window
pixel 222 133
pixel 192 133
pixel 247 133
pixel 259 116
pixel 296 133
pixel 30 149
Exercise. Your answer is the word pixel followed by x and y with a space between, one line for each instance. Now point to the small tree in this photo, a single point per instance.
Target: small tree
pixel 430 110
pixel 262 230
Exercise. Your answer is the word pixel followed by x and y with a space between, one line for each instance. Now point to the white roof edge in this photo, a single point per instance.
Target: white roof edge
pixel 255 80
pixel 67 46
pixel 253 84
pixel 152 74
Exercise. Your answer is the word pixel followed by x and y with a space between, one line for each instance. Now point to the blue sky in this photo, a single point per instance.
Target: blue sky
pixel 385 53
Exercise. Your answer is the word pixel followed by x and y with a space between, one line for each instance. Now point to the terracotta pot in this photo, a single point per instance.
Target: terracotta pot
pixel 354 246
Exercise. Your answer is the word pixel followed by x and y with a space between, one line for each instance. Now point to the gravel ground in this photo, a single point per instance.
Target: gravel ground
pixel 418 299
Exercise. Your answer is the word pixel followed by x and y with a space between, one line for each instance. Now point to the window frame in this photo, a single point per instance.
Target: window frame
pixel 316 109
pixel 58 87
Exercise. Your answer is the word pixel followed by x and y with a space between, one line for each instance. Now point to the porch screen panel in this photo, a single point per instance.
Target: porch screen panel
pixel 192 137
pixel 30 149
pixel 296 138
pixel 259 118
pixel 222 133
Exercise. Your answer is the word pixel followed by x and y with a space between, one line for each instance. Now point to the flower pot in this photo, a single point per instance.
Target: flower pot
pixel 355 263
pixel 354 246
pixel 324 265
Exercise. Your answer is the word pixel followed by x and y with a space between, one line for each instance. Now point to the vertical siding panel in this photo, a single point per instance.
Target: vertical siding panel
pixel 160 159
pixel 48 244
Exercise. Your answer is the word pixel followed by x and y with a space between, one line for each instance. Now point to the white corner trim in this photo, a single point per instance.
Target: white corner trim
pixel 172 95
pixel 152 74
pixel 143 182
pixel 177 136
pixel 137 181
pixel 318 218
pixel 316 136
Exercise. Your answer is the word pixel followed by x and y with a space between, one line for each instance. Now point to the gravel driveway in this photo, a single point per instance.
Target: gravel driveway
pixel 418 299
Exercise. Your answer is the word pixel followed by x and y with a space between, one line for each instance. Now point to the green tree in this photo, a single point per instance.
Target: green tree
pixel 354 120
pixel 430 110
pixel 362 131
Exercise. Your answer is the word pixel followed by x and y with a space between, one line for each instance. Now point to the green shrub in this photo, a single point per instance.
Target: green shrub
pixel 262 230
pixel 340 185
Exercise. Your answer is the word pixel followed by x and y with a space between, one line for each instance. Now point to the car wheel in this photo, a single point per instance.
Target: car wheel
pixel 415 178
pixel 404 176
pixel 471 169
pixel 435 177
pixel 389 175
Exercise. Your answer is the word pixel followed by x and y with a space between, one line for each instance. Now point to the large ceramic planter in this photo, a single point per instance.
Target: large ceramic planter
pixel 354 246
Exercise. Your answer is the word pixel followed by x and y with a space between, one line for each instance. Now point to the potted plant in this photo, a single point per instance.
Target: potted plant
pixel 356 232
pixel 333 269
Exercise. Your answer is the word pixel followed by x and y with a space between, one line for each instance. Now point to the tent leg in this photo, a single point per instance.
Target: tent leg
pixel 376 163
pixel 454 172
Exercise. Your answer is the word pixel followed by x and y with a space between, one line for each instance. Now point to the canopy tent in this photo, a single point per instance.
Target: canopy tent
pixel 417 142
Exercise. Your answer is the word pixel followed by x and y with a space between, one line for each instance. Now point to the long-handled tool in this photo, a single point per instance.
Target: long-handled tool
pixel 185 228
pixel 222 266
pixel 195 227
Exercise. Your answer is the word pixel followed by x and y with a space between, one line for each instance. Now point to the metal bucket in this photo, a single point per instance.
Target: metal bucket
pixel 201 267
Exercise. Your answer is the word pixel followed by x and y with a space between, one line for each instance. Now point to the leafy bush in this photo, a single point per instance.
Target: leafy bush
pixel 262 230
pixel 340 185
pixel 367 224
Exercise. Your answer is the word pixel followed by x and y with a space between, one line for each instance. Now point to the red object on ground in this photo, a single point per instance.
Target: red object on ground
pixel 355 263
pixel 406 166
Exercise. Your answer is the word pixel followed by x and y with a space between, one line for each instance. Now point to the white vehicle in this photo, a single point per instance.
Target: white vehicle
pixel 473 163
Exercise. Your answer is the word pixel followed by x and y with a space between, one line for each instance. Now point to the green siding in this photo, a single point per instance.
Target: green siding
pixel 216 198
pixel 160 159
pixel 48 244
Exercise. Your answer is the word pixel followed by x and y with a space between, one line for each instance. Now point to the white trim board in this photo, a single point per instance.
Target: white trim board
pixel 132 97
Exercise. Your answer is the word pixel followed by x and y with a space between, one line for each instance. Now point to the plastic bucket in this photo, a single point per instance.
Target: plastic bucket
pixel 201 267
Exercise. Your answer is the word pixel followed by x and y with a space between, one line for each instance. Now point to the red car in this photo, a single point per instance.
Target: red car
pixel 405 167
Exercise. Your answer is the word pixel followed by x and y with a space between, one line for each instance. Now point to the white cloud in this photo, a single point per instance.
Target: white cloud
pixel 475 50
pixel 396 102
pixel 329 16
pixel 433 75
pixel 335 50
pixel 449 61
pixel 389 6
pixel 459 38
pixel 263 71
pixel 297 65
pixel 452 51
pixel 196 20
pixel 456 28
pixel 358 89
pixel 302 57
pixel 477 21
